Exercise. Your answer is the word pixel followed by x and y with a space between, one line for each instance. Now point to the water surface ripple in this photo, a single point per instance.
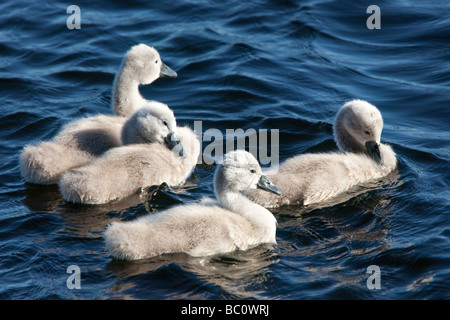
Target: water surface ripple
pixel 286 65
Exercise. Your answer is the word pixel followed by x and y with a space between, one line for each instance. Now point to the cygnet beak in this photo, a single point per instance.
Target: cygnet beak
pixel 265 184
pixel 173 143
pixel 166 71
pixel 373 148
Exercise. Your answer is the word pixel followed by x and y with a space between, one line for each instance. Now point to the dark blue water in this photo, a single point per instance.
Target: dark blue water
pixel 286 65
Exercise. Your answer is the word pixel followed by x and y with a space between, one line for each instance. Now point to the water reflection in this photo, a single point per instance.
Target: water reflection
pixel 92 219
pixel 383 185
pixel 240 274
pixel 322 242
pixel 348 233
pixel 315 244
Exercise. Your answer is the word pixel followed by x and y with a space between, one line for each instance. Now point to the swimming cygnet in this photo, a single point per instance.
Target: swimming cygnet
pixel 236 223
pixel 155 150
pixel 82 140
pixel 141 65
pixel 315 177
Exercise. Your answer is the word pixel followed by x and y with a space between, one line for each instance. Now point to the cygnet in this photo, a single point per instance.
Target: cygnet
pixel 141 65
pixel 236 223
pixel 154 151
pixel 315 177
pixel 84 139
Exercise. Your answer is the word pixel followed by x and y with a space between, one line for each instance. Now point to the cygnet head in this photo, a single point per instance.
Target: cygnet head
pixel 358 127
pixel 145 64
pixel 154 122
pixel 240 171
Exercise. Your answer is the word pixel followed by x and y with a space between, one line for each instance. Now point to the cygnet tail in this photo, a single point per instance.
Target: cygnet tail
pixel 46 162
pixel 130 241
pixel 117 242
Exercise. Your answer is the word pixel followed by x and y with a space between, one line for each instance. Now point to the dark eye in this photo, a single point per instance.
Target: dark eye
pixel 252 170
pixel 367 132
pixel 165 123
pixel 156 61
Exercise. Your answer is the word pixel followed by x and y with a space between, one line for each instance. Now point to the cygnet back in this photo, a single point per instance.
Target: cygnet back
pixel 154 155
pixel 316 177
pixel 201 230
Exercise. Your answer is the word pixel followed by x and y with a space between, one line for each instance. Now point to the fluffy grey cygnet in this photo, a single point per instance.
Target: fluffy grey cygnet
pixel 315 177
pixel 84 139
pixel 236 223
pixel 155 150
pixel 141 65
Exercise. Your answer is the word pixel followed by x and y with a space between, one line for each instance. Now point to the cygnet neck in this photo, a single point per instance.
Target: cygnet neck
pixel 126 95
pixel 235 201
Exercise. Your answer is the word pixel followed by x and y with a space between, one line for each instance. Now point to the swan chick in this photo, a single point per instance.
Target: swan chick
pixel 76 144
pixel 84 139
pixel 315 177
pixel 154 122
pixel 155 150
pixel 357 128
pixel 142 64
pixel 202 230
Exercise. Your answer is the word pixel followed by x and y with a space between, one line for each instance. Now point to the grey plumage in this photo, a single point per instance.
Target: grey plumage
pixel 76 144
pixel 141 65
pixel 143 161
pixel 233 223
pixel 85 139
pixel 313 178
